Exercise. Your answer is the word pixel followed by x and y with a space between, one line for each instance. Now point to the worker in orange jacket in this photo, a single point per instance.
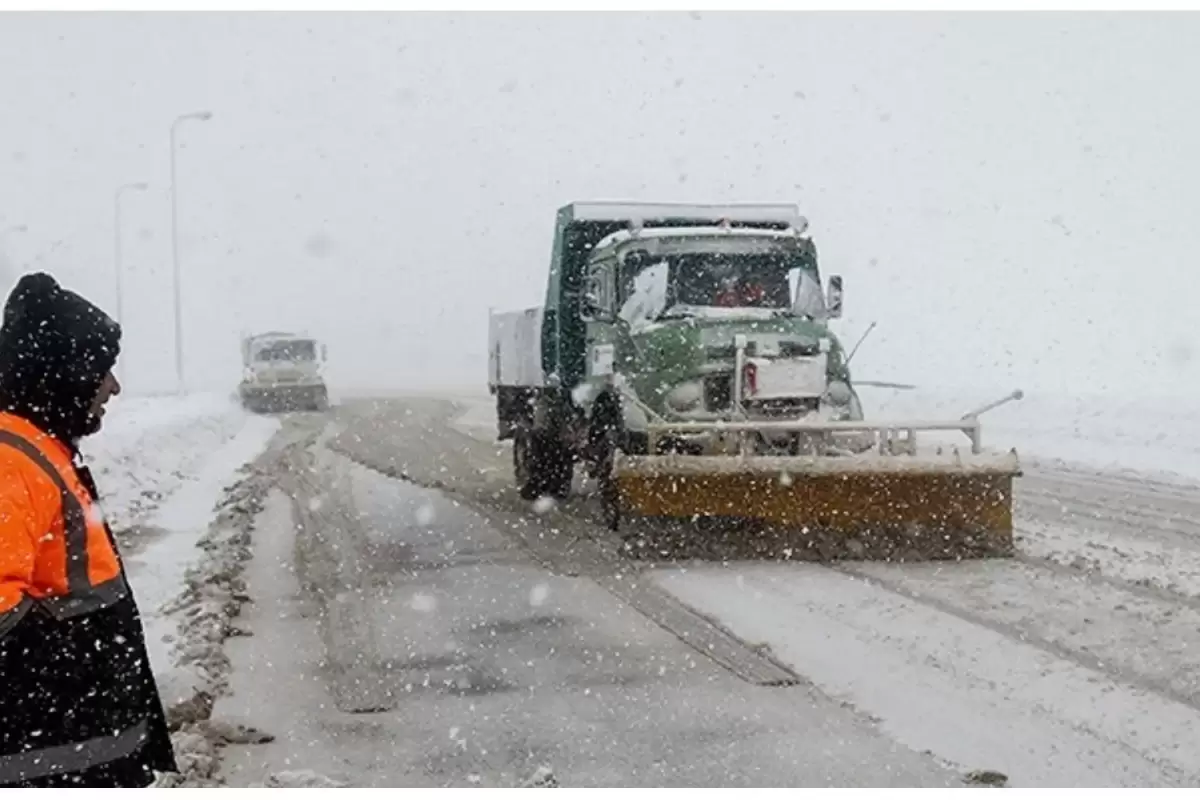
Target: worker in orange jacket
pixel 78 702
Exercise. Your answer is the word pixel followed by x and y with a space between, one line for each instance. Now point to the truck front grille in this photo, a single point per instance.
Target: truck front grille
pixel 786 408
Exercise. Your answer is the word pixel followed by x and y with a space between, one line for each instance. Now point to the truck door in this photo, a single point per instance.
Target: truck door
pixel 599 314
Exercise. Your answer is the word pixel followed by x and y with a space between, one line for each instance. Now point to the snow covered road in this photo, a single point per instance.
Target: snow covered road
pixel 987 676
pixel 1076 663
pixel 151 446
pixel 409 620
pixel 417 643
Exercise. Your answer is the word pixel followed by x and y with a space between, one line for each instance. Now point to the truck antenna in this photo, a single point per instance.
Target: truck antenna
pixel 861 339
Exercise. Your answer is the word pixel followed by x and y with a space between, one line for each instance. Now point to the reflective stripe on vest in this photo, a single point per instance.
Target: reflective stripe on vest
pixel 74 757
pixel 82 597
pixel 10 618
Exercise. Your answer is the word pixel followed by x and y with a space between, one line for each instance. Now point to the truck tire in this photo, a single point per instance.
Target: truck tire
pixel 606 433
pixel 559 464
pixel 522 469
pixel 542 466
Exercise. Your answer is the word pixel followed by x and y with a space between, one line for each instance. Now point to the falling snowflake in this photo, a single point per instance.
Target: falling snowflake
pixel 538 594
pixel 425 514
pixel 423 602
pixel 315 503
pixel 544 505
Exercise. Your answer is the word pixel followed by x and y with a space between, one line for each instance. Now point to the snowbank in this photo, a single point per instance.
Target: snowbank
pixel 150 445
pixel 204 613
pixel 179 527
pixel 1152 435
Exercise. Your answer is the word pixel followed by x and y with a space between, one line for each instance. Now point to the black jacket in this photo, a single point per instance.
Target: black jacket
pixel 66 681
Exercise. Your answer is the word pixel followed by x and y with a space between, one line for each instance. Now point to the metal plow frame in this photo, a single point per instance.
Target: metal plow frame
pixel 892 502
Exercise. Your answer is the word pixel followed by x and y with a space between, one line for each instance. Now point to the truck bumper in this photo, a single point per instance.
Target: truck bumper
pixel 284 397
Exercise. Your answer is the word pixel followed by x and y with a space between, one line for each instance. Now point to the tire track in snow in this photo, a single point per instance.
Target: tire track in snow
pixel 1018 620
pixel 1145 534
pixel 1066 627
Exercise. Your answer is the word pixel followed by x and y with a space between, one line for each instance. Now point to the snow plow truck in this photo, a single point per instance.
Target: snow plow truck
pixel 281 371
pixel 684 355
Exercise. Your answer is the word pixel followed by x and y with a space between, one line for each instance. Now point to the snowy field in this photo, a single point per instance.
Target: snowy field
pixel 162 465
pixel 1158 436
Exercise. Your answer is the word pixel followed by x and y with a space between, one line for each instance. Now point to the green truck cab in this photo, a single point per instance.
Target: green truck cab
pixel 677 312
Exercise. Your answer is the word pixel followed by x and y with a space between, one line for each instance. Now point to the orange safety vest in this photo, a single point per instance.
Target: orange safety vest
pixel 55 548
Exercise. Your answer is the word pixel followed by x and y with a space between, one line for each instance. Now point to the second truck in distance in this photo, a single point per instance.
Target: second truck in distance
pixel 282 371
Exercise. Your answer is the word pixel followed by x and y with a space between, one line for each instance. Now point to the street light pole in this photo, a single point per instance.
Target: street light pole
pixel 200 116
pixel 137 187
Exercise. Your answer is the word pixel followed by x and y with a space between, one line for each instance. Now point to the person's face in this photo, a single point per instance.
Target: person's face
pixel 108 388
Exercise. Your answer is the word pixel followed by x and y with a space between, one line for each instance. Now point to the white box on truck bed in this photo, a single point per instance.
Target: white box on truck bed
pixel 515 348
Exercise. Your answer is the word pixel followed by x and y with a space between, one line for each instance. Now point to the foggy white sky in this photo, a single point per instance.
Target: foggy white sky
pixel 1012 197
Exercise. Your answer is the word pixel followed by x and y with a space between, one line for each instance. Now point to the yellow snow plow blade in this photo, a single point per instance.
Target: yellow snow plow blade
pixel 893 503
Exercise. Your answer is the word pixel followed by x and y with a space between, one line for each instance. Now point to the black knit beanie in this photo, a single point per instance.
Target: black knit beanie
pixel 55 350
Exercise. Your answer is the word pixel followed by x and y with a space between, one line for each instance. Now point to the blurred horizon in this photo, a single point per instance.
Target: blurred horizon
pixel 997 189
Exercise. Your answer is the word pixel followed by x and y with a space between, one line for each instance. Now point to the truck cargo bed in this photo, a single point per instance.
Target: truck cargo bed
pixel 515 349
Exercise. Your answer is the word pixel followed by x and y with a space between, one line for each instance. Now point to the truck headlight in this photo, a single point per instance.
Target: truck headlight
pixel 686 396
pixel 838 393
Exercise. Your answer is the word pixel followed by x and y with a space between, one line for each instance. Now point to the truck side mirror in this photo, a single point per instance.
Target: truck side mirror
pixel 324 352
pixel 833 300
pixel 635 260
pixel 593 310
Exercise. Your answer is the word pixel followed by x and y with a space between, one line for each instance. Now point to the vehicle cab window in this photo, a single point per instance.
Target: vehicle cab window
pixel 601 287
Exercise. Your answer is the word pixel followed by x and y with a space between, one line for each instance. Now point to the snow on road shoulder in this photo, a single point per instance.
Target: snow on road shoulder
pixel 151 446
pixel 157 573
pixel 478 417
pixel 1149 435
pixel 199 564
pixel 205 610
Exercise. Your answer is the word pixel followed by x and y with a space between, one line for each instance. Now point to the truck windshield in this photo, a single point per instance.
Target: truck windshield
pixel 287 351
pixel 726 280
pixel 717 277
